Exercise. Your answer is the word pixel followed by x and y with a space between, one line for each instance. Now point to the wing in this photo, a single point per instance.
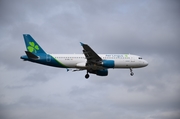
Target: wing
pixel 91 56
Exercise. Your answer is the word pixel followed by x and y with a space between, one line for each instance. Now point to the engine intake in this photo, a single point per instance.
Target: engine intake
pixel 108 63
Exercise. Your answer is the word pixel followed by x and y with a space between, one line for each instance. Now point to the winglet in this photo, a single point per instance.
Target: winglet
pixel 81 43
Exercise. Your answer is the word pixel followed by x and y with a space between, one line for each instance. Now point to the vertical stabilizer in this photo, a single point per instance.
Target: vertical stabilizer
pixel 31 45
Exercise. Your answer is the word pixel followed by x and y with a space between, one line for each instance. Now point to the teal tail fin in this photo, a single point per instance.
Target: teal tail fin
pixel 31 45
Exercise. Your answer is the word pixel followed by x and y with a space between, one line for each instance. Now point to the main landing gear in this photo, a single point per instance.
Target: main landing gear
pixel 87 75
pixel 131 72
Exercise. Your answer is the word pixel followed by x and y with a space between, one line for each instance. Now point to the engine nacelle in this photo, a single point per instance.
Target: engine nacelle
pixel 102 72
pixel 108 63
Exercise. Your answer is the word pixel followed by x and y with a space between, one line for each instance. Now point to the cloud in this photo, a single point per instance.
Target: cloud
pixel 146 28
pixel 166 115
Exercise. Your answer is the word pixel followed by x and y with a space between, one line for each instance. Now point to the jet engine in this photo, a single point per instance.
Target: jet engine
pixel 108 63
pixel 102 72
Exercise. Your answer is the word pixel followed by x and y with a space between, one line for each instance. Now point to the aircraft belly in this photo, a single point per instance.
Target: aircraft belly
pixel 71 63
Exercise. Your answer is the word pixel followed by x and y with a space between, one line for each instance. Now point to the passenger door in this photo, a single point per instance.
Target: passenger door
pixel 48 58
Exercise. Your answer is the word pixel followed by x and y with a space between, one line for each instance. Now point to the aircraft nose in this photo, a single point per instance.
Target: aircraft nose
pixel 145 63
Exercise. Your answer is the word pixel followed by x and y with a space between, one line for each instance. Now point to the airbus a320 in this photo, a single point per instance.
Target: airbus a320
pixel 89 60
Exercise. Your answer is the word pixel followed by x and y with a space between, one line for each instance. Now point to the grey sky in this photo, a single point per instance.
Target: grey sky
pixel 149 28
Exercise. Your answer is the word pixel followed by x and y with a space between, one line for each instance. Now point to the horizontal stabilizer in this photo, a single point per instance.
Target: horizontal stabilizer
pixel 31 55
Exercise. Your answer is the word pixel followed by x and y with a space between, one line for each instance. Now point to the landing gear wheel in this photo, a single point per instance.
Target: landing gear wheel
pixel 87 76
pixel 131 73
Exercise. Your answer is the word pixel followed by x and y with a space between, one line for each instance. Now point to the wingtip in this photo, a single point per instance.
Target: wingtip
pixel 81 43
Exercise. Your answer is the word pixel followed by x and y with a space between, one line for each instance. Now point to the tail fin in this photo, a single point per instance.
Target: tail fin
pixel 31 45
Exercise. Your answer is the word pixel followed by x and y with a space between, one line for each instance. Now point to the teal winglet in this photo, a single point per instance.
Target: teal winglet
pixel 81 43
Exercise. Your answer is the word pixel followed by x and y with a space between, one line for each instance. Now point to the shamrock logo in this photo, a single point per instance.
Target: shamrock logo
pixel 33 47
pixel 126 55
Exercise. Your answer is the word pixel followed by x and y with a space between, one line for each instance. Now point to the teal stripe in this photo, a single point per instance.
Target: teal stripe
pixel 61 64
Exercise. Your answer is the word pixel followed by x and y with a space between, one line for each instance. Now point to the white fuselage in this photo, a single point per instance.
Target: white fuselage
pixel 120 60
pixel 90 61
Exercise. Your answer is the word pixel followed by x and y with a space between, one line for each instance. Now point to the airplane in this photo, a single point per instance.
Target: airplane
pixel 90 61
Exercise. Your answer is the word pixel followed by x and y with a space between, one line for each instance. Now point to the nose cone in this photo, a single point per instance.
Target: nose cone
pixel 145 63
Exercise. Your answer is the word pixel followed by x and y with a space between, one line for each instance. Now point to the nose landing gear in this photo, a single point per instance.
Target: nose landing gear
pixel 131 72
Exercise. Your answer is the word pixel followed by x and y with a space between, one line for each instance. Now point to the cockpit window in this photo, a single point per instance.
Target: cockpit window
pixel 140 57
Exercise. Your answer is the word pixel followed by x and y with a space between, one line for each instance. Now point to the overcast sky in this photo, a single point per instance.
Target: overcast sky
pixel 149 28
